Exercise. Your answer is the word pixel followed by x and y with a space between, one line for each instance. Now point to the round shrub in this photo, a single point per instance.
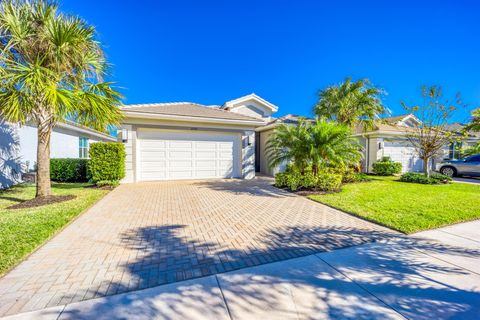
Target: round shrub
pixel 328 181
pixel 386 168
pixel 68 170
pixel 107 161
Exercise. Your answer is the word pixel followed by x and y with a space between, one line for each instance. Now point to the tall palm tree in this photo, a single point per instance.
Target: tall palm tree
pixel 319 144
pixel 351 103
pixel 51 68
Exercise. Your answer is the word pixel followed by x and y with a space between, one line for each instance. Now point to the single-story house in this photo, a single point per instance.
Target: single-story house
pixel 388 139
pixel 184 140
pixel 18 147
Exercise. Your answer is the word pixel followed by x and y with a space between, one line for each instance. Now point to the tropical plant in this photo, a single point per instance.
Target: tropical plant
pixel 319 144
pixel 430 137
pixel 51 69
pixel 330 145
pixel 475 124
pixel 287 144
pixel 351 103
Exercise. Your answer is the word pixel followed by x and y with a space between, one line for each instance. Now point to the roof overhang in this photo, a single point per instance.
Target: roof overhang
pixel 84 130
pixel 161 116
pixel 251 97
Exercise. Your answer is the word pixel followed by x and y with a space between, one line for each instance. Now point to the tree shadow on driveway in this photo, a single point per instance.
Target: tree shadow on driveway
pixel 385 267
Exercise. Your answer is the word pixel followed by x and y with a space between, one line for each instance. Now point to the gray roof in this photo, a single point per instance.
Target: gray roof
pixel 188 109
pixel 395 119
pixel 290 119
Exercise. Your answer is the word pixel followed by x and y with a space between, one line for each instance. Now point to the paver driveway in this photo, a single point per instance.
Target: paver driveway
pixel 147 234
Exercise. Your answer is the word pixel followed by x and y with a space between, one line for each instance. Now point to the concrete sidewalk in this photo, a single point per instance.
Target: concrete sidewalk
pixel 431 275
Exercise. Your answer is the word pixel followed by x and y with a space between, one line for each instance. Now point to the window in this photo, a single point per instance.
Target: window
pixel 473 159
pixel 83 148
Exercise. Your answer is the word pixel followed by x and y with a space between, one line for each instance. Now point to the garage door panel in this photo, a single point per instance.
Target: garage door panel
pixel 204 154
pixel 400 151
pixel 201 164
pixel 153 175
pixel 205 174
pixel 225 146
pixel 180 155
pixel 186 155
pixel 180 144
pixel 153 144
pixel 224 155
pixel 153 155
pixel 206 145
pixel 180 164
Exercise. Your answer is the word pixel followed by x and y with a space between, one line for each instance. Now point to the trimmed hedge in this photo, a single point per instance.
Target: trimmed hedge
pixel 386 167
pixel 435 178
pixel 323 181
pixel 107 162
pixel 68 170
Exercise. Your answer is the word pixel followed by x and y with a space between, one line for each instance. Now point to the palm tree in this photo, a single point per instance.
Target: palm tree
pixel 51 69
pixel 332 145
pixel 287 144
pixel 320 144
pixel 475 124
pixel 351 103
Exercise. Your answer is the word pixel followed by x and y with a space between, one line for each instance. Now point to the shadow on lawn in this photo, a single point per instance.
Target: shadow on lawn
pixel 166 254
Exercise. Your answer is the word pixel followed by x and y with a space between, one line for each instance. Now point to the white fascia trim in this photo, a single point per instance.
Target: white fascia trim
pixel 268 127
pixel 64 125
pixel 410 116
pixel 251 96
pixel 146 115
pixel 382 133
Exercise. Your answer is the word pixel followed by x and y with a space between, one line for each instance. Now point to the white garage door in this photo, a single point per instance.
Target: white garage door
pixel 400 151
pixel 173 155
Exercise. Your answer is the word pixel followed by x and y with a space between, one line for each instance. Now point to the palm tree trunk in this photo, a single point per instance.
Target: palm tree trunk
pixel 44 131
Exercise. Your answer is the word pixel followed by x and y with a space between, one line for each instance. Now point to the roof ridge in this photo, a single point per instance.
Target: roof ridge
pixel 156 104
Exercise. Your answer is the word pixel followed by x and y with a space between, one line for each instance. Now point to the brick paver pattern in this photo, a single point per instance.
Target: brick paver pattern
pixel 147 234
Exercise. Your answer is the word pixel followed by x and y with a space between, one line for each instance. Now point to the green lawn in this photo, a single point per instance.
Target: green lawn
pixel 23 230
pixel 407 207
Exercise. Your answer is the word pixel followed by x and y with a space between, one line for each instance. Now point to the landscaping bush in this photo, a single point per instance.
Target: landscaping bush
pixel 386 167
pixel 328 181
pixel 281 180
pixel 68 170
pixel 107 162
pixel 294 180
pixel 356 177
pixel 435 178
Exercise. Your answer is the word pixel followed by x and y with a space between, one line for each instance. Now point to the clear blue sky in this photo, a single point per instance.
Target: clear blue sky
pixel 285 51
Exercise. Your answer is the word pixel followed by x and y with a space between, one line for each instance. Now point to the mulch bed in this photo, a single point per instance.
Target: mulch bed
pixel 41 201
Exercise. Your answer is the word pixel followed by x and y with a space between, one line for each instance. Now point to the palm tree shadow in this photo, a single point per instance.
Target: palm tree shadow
pixel 10 162
pixel 165 255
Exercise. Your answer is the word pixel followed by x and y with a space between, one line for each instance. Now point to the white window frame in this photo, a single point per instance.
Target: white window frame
pixel 83 148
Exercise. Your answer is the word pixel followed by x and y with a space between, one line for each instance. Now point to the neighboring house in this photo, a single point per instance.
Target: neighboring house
pixel 183 140
pixel 470 140
pixel 18 147
pixel 388 139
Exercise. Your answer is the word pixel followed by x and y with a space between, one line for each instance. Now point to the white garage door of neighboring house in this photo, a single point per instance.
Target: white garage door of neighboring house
pixel 399 151
pixel 174 155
